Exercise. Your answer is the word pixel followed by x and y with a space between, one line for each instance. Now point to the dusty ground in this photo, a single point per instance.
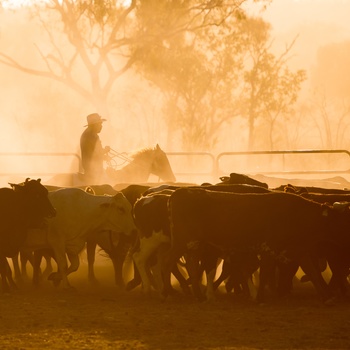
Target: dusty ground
pixel 104 318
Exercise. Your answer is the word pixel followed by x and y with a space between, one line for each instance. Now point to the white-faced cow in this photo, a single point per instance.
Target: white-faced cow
pixel 79 215
pixel 117 252
pixel 152 220
pixel 23 206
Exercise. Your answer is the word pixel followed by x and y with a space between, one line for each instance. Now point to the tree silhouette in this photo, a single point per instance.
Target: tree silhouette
pixel 90 44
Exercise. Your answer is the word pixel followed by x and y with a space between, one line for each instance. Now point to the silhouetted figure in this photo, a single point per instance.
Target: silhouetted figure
pixel 92 152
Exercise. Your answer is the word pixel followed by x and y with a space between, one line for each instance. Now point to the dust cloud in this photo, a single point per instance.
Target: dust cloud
pixel 39 115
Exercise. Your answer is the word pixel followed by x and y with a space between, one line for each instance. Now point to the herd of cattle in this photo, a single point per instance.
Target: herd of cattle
pixel 182 232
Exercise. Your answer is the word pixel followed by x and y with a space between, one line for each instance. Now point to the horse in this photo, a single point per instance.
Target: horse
pixel 140 165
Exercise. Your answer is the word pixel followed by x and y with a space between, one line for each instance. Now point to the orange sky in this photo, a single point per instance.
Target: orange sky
pixel 286 14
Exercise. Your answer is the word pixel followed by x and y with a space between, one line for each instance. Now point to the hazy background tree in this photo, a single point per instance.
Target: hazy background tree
pixel 89 45
pixel 220 74
pixel 331 94
pixel 270 87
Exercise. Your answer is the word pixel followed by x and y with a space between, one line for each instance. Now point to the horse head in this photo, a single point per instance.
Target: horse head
pixel 161 165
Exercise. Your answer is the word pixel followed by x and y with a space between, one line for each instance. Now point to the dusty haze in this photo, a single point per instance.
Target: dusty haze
pixel 39 115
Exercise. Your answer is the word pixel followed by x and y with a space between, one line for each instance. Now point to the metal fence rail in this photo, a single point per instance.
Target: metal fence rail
pixel 202 166
pixel 19 163
pixel 283 169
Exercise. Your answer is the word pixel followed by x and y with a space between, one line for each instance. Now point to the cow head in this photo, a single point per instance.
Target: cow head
pixel 117 213
pixel 33 197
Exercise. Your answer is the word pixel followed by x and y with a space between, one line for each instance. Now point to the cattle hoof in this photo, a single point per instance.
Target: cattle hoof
pixel 69 289
pixel 56 283
pixel 132 285
pixel 54 276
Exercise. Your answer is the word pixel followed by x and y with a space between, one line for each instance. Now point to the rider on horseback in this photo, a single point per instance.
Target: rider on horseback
pixel 92 152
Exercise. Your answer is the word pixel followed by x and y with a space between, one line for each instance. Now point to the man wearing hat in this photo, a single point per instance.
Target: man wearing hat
pixel 92 152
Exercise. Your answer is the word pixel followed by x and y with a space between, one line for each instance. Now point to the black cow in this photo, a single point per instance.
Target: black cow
pixel 152 217
pixel 22 207
pixel 282 225
pixel 310 189
pixel 235 178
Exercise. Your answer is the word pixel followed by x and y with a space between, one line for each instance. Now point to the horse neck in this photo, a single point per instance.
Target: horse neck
pixel 138 170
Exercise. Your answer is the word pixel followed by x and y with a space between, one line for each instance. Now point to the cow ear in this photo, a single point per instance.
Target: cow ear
pixel 118 196
pixel 157 147
pixel 224 178
pixel 89 189
pixel 16 187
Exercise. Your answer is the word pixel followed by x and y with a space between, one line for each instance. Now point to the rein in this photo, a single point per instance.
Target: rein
pixel 114 154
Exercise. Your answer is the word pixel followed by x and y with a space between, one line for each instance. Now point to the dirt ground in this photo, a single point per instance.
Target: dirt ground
pixel 103 317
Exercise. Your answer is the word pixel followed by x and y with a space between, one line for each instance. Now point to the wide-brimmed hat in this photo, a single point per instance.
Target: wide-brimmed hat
pixel 94 118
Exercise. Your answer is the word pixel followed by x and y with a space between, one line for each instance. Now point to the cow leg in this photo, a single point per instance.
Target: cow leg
pixel 266 276
pixel 225 272
pixel 195 272
pixel 10 280
pixel 286 273
pixel 47 254
pixel 141 265
pixel 181 279
pixel 118 262
pixel 245 280
pixel 338 264
pixel 3 273
pixel 90 252
pixel 210 284
pixel 169 261
pixel 118 255
pixel 25 257
pixel 157 267
pixel 62 266
pixel 36 267
pixel 7 282
pixel 48 260
pixel 135 281
pixel 74 263
pixel 210 263
pixel 158 272
pixel 16 269
pixel 307 263
pixel 64 270
pixel 147 247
